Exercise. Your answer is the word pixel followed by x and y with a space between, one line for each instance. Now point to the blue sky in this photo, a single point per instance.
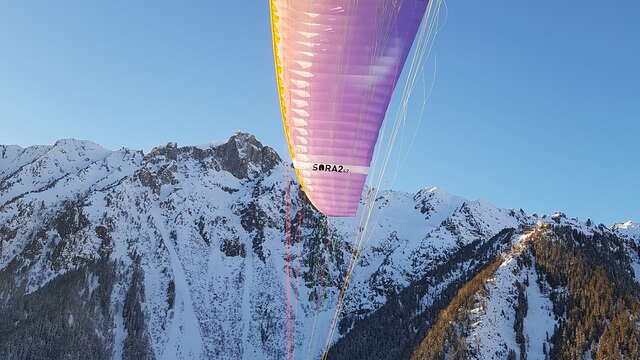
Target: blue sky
pixel 536 105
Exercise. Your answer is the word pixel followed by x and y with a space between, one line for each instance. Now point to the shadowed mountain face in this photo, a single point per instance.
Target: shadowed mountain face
pixel 212 252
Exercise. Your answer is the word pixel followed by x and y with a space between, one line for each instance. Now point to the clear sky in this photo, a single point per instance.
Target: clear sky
pixel 536 105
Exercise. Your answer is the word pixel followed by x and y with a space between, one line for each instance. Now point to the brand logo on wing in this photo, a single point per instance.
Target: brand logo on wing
pixel 330 168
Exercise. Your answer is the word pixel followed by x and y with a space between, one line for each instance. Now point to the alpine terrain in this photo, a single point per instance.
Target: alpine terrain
pixel 213 252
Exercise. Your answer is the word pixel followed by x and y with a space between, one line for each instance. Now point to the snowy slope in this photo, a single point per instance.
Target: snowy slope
pixel 12 157
pixel 492 321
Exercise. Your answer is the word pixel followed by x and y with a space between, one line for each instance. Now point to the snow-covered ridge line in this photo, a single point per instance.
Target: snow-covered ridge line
pixel 203 228
pixel 628 228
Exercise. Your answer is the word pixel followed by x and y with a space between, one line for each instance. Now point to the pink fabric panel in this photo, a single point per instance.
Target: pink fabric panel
pixel 340 62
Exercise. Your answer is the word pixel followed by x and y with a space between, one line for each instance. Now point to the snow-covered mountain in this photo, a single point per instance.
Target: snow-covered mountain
pixel 213 252
pixel 627 229
pixel 565 290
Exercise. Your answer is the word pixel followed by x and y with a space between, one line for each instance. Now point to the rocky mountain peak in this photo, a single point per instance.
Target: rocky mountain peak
pixel 168 152
pixel 242 154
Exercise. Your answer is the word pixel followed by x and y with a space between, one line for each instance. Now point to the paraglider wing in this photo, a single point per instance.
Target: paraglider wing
pixel 337 64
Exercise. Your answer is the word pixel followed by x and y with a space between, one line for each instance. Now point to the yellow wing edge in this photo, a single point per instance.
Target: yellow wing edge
pixel 275 32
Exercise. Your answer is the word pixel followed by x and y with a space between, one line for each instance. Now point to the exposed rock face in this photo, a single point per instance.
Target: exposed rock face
pixel 243 153
pixel 212 252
